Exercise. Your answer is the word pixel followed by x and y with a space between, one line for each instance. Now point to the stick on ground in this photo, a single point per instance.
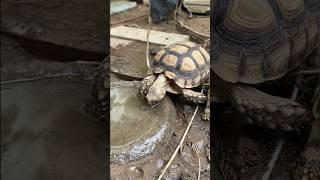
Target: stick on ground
pixel 277 151
pixel 148 33
pixel 180 144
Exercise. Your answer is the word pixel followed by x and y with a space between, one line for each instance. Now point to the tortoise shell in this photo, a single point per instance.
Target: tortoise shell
pixel 186 63
pixel 259 40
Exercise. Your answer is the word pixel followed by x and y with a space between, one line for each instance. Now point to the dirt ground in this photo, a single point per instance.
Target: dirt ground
pixel 130 61
pixel 243 149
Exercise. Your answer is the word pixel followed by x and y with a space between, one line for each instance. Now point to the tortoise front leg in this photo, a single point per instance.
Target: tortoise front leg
pixel 194 96
pixel 198 97
pixel 145 85
pixel 206 114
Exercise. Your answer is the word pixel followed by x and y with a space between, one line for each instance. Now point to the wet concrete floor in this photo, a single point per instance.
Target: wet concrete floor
pixel 45 134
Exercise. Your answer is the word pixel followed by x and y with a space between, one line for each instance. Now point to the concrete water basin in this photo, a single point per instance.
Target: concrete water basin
pixel 45 134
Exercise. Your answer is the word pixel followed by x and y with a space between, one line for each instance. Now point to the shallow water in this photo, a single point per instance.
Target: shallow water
pixel 45 135
pixel 136 128
pixel 131 118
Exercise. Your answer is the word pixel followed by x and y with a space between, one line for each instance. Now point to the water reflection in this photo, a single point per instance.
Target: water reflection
pixel 45 135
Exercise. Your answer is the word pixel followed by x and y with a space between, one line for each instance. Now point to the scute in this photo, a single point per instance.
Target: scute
pixel 186 63
pixel 198 57
pixel 170 60
pixel 205 54
pixel 259 40
pixel 159 55
pixel 291 9
pixel 170 74
pixel 251 15
pixel 179 49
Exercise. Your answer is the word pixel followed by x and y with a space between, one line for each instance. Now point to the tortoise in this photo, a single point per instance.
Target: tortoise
pixel 177 68
pixel 308 165
pixel 258 41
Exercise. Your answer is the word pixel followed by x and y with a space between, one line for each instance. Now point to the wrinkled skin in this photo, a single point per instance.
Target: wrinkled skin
pixel 259 108
pixel 154 88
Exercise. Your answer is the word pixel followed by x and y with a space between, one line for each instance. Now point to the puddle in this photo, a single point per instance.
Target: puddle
pixel 45 135
pixel 136 128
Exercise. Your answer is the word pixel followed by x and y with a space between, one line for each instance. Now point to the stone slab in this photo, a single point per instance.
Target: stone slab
pixel 156 37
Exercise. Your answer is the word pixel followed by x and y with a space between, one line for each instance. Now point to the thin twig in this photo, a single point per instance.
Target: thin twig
pixel 148 33
pixel 84 62
pixel 180 144
pixel 37 78
pixel 177 11
pixel 180 7
pixel 277 151
pixel 307 72
pixel 273 160
pixel 180 23
pixel 196 150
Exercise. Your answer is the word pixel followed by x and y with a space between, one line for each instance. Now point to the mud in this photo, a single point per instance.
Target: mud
pixel 245 150
pixel 184 166
pixel 46 135
pixel 130 61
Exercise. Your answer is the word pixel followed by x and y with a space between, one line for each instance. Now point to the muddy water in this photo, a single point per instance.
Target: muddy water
pixel 136 127
pixel 45 135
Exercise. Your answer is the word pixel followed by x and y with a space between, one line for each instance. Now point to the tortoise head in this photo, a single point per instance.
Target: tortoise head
pixel 155 95
pixel 158 90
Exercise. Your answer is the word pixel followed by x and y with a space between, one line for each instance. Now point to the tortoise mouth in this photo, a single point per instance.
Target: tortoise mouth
pixel 155 98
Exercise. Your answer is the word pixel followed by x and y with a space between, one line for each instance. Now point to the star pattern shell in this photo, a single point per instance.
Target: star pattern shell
pixel 186 63
pixel 259 40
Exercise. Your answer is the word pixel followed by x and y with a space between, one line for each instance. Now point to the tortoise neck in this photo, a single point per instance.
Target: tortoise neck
pixel 161 81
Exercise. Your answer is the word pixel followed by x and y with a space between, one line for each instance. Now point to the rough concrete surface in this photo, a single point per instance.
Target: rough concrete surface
pixel 67 23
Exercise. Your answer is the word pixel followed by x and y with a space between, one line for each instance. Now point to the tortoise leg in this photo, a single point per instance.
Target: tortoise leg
pixel 198 97
pixel 269 111
pixel 206 114
pixel 263 109
pixel 158 89
pixel 99 105
pixel 308 165
pixel 145 85
pixel 193 96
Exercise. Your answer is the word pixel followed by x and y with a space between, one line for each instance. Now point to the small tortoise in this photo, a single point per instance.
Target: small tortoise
pixel 177 68
pixel 255 41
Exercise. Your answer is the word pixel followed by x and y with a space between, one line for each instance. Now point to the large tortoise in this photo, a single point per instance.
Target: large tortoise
pixel 255 41
pixel 177 68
